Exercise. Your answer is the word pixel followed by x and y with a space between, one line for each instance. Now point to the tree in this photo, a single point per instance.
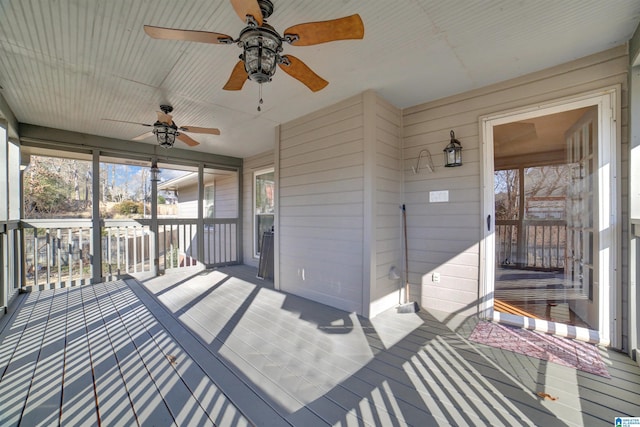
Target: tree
pixel 539 181
pixel 506 190
pixel 45 189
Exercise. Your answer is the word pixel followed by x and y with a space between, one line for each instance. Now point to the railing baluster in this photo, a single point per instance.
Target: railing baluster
pixel 118 250
pixel 36 265
pixel 108 252
pixel 58 257
pixel 179 228
pixel 69 257
pixel 81 255
pixel 126 249
pixel 135 249
pixel 543 245
pixel 226 252
pixel 91 254
pixel 48 283
pixel 184 248
pixel 192 241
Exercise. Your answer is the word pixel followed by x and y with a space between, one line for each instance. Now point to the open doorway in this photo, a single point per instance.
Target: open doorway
pixel 551 203
pixel 544 217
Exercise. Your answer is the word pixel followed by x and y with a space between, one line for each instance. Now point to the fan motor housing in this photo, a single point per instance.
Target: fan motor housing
pixel 266 7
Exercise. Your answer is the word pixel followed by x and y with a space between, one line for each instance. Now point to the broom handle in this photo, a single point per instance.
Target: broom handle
pixel 406 253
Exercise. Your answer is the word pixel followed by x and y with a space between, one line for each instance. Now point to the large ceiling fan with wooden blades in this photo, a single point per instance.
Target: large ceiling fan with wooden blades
pixel 261 44
pixel 166 131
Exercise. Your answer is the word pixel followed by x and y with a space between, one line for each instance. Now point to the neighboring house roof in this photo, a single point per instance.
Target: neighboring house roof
pixel 173 184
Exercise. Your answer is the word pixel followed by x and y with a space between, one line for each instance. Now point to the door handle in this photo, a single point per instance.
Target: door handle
pixel 488 222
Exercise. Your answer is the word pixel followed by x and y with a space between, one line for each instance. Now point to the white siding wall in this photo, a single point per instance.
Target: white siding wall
pixel 321 205
pixel 444 237
pixel 226 202
pixel 387 200
pixel 188 202
pixel 250 165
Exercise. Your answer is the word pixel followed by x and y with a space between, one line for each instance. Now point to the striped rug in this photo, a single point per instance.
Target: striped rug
pixel 564 351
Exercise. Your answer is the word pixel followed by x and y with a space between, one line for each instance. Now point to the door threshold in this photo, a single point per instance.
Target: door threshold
pixel 548 327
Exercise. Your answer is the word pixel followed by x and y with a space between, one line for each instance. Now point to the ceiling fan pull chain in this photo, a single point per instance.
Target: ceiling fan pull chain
pixel 260 102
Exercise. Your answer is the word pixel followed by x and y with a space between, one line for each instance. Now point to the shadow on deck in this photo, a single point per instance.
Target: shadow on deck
pixel 205 347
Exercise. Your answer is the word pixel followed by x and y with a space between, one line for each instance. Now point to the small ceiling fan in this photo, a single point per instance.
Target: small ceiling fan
pixel 166 131
pixel 262 44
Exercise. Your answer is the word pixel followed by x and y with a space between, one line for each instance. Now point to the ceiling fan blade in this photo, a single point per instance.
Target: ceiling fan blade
pixel 300 71
pixel 143 136
pixel 248 7
pixel 210 131
pixel 131 123
pixel 187 140
pixel 185 35
pixel 349 27
pixel 164 118
pixel 237 78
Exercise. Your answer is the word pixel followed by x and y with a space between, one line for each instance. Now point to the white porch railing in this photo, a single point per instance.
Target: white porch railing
pixel 536 244
pixel 59 253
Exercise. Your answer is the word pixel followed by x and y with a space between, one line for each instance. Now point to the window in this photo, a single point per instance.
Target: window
pixel 209 201
pixel 263 204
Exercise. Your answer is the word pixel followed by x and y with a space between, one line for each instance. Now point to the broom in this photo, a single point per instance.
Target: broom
pixel 408 306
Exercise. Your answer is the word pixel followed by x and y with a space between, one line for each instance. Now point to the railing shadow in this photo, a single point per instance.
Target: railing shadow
pixel 431 376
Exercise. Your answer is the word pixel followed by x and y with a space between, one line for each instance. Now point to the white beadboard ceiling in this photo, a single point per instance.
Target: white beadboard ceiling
pixel 69 64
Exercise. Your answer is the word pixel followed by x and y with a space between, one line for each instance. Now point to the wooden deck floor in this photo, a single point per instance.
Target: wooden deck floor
pixel 220 348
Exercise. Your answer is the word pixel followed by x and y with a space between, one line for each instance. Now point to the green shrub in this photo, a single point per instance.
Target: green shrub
pixel 128 207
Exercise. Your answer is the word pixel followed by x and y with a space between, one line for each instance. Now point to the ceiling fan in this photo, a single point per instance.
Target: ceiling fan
pixel 262 44
pixel 166 131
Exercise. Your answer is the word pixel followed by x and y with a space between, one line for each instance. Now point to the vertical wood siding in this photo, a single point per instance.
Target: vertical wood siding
pixel 250 165
pixel 444 237
pixel 321 204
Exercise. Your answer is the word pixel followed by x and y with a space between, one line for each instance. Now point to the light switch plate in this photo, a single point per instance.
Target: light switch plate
pixel 439 196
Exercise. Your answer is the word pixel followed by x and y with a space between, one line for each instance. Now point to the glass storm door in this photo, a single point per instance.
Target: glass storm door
pixel 582 217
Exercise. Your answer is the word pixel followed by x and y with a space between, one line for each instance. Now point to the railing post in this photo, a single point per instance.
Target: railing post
pixel 96 241
pixel 200 220
pixel 154 247
pixel 3 274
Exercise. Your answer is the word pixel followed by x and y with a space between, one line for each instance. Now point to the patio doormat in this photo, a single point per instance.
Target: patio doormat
pixel 563 351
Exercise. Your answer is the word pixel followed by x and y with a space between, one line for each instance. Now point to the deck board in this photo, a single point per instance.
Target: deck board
pixel 43 402
pixel 78 396
pixel 24 361
pixel 219 348
pixel 178 399
pixel 113 398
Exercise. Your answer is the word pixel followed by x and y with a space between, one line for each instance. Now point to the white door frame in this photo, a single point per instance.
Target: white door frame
pixel 609 191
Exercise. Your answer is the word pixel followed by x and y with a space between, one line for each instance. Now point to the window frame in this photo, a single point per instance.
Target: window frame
pixel 255 214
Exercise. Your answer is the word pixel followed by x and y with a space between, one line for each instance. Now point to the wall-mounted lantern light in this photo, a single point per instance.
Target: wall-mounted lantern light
pixel 453 152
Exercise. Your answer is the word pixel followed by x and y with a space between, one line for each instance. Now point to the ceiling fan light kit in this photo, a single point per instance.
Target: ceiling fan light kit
pixel 165 134
pixel 261 52
pixel 261 44
pixel 166 130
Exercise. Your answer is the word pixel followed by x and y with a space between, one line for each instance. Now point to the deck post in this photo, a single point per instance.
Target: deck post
pixel 96 233
pixel 200 221
pixel 153 228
